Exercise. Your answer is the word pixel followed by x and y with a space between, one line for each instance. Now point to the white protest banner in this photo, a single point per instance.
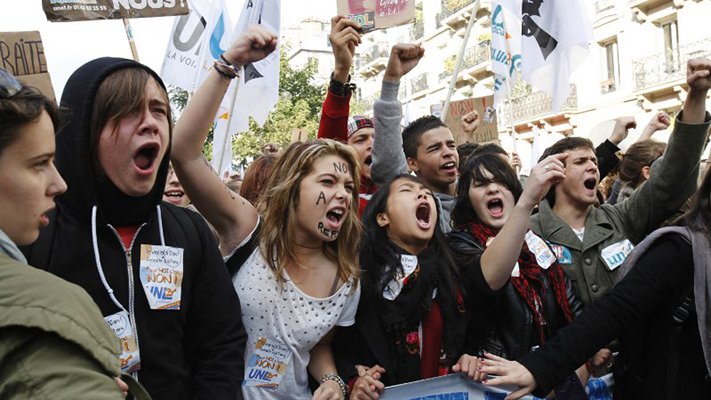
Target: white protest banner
pixel 182 56
pixel 456 387
pixel 378 14
pixel 22 54
pixel 82 10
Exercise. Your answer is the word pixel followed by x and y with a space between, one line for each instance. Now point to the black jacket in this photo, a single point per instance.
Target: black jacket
pixel 195 352
pixel 503 324
pixel 639 312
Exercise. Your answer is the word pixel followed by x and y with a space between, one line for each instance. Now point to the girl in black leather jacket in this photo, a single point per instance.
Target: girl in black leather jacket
pixel 491 220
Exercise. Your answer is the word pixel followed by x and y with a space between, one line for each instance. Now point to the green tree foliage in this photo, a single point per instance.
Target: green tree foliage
pixel 299 106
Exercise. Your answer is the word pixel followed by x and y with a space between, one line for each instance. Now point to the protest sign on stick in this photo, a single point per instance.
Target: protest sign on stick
pixel 487 131
pixel 378 14
pixel 22 54
pixel 82 10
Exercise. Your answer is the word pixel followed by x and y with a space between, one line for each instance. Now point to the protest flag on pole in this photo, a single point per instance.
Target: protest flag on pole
pixel 505 47
pixel 551 37
pixel 259 85
pixel 555 36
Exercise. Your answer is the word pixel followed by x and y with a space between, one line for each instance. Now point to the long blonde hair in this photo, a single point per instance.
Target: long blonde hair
pixel 278 203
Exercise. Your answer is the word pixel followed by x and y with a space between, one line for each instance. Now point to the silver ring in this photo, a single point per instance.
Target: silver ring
pixel 547 167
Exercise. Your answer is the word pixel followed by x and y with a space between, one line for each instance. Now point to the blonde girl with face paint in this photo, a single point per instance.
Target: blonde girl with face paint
pixel 295 267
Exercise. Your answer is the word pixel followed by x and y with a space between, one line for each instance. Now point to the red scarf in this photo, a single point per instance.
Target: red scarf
pixel 530 279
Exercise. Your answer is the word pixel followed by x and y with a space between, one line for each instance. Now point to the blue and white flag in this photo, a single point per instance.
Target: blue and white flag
pixel 505 46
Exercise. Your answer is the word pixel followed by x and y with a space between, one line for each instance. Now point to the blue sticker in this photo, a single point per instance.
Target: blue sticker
pixel 562 253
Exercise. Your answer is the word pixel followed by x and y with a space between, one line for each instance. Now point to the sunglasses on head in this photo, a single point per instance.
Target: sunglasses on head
pixel 9 85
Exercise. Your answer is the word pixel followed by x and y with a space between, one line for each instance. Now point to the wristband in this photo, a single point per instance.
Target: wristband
pixel 222 73
pixel 338 380
pixel 341 89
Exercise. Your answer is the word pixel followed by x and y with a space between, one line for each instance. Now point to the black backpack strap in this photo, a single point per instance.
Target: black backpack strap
pixel 39 252
pixel 679 317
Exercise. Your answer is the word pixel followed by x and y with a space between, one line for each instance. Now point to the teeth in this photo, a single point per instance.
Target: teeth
pixel 449 165
pixel 337 211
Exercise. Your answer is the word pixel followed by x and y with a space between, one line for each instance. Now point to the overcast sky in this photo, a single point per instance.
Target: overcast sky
pixel 68 45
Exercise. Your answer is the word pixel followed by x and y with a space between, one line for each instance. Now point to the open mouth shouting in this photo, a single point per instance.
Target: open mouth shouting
pixel 449 167
pixel 423 216
pixel 591 184
pixel 335 217
pixel 368 160
pixel 145 158
pixel 495 207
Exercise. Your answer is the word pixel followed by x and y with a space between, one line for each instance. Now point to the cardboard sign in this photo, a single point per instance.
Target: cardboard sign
pixel 22 54
pixel 82 10
pixel 487 131
pixel 387 13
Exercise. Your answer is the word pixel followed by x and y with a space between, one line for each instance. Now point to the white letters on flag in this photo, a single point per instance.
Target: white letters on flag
pixel 259 85
pixel 555 41
pixel 505 46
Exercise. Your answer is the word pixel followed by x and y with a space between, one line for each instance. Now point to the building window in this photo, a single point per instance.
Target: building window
pixel 671 46
pixel 611 70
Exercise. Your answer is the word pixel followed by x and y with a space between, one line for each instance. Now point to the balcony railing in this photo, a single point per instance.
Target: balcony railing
pixel 449 8
pixel 604 5
pixel 668 66
pixel 528 104
pixel 368 102
pixel 473 56
pixel 419 83
pixel 379 50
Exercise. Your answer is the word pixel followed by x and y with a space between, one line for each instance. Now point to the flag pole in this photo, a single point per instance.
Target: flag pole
pixel 228 136
pixel 460 58
pixel 511 118
pixel 129 35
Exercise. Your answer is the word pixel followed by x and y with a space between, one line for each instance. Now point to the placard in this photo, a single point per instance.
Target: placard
pixel 387 13
pixel 22 54
pixel 82 10
pixel 487 131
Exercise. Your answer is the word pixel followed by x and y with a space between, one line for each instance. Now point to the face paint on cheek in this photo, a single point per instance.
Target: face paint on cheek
pixel 340 167
pixel 327 232
pixel 321 197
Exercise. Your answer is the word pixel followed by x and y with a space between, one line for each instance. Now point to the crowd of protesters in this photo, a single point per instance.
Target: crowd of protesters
pixel 370 257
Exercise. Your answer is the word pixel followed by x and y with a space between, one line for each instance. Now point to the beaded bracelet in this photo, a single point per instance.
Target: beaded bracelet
pixel 338 380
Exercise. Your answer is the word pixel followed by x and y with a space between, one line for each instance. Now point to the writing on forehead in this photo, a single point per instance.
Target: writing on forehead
pixel 327 232
pixel 340 167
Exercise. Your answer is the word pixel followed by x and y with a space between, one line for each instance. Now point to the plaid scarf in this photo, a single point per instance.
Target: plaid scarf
pixel 530 279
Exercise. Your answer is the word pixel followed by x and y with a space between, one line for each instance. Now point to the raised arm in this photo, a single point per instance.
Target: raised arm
pixel 659 122
pixel 344 38
pixel 606 158
pixel 232 216
pixel 388 155
pixel 501 255
pixel 674 176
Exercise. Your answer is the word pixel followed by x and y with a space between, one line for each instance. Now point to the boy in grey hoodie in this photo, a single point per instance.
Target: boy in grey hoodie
pixel 425 147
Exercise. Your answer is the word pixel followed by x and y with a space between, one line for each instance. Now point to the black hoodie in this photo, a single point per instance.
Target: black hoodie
pixel 192 353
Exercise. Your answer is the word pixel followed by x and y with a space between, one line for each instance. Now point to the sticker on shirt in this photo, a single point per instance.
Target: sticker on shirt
pixel 409 266
pixel 161 273
pixel 130 359
pixel 616 254
pixel 544 255
pixel 562 253
pixel 268 364
pixel 516 272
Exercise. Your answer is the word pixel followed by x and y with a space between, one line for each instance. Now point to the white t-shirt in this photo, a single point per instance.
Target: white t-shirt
pixel 282 327
pixel 579 233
